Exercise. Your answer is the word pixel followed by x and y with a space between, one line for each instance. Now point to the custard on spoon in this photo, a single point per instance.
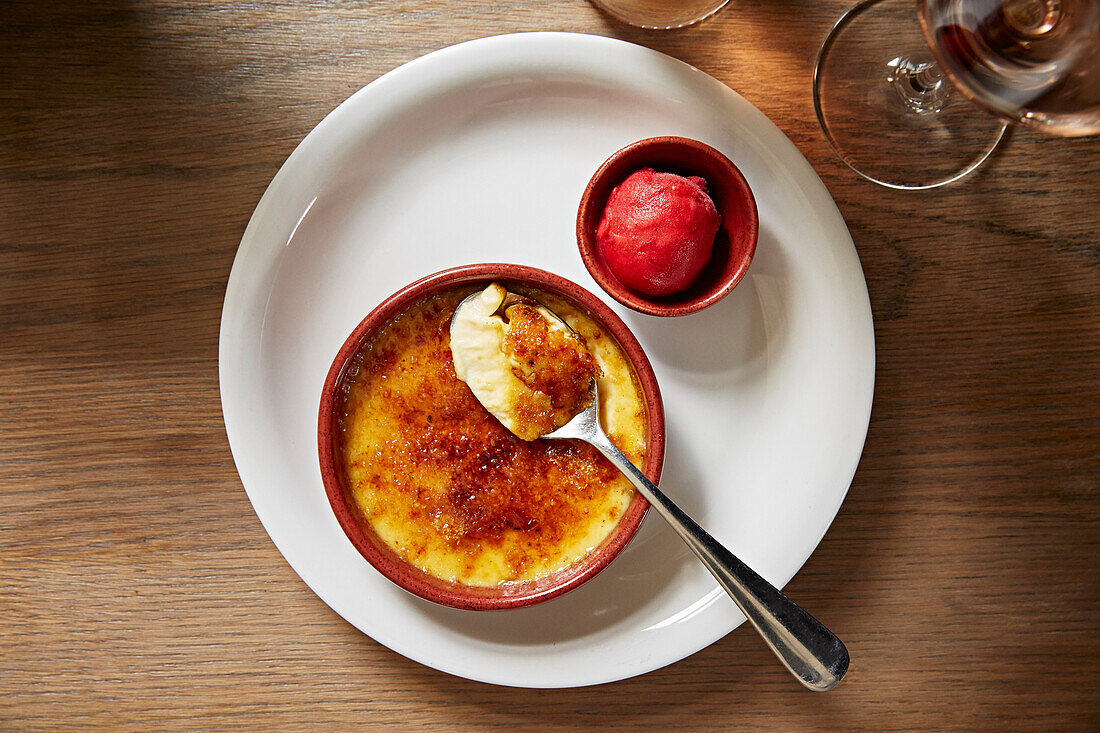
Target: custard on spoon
pixel 521 361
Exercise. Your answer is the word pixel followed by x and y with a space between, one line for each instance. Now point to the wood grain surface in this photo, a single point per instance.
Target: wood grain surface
pixel 138 590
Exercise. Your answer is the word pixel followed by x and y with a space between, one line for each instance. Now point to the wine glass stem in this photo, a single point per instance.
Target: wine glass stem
pixel 920 84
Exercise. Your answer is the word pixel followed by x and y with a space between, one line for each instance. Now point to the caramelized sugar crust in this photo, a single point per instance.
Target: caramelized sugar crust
pixel 448 487
pixel 552 362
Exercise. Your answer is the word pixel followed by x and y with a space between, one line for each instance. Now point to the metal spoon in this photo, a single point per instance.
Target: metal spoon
pixel 812 653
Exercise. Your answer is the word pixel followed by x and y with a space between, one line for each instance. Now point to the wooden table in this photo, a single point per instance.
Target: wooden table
pixel 137 588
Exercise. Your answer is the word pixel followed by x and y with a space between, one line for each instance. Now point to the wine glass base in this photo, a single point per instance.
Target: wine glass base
pixel 888 112
pixel 661 14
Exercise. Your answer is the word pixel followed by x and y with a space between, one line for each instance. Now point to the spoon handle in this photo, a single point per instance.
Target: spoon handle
pixel 810 651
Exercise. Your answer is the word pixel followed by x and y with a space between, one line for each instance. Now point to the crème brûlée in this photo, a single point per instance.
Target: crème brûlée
pixel 452 491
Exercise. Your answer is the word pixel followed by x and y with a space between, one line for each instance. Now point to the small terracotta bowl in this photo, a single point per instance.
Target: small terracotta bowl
pixel 358 529
pixel 734 244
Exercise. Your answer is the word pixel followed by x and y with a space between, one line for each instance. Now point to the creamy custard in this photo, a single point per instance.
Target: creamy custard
pixel 449 488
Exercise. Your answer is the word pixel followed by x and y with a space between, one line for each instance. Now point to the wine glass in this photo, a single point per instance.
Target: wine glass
pixel 904 98
pixel 661 14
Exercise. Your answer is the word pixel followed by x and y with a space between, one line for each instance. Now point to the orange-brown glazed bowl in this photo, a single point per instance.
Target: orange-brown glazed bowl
pixel 734 244
pixel 359 530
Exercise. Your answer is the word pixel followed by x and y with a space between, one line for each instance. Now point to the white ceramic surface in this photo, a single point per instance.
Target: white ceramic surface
pixel 479 153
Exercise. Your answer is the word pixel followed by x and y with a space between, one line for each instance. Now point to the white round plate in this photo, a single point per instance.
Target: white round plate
pixel 479 153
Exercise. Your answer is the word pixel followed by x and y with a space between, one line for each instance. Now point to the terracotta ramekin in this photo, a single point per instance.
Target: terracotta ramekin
pixel 359 531
pixel 734 244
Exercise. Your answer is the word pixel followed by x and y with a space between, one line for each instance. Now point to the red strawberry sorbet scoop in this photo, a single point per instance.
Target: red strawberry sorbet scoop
pixel 657 231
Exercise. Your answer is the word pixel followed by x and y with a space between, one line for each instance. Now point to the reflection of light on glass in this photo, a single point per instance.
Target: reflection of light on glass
pixel 697 607
pixel 300 220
